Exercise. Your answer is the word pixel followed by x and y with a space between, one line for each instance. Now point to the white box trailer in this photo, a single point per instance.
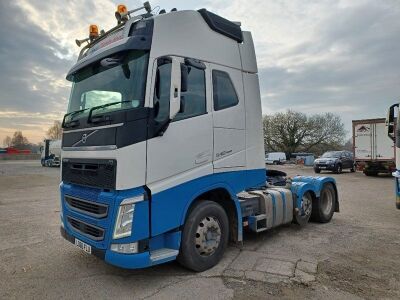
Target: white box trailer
pixel 374 151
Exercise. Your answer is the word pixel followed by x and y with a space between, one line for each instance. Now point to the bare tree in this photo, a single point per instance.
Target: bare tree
pixel 55 131
pixel 295 131
pixel 18 141
pixel 7 141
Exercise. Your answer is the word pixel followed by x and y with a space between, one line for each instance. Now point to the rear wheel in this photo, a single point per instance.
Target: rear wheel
pixel 353 169
pixel 324 208
pixel 370 173
pixel 303 215
pixel 204 237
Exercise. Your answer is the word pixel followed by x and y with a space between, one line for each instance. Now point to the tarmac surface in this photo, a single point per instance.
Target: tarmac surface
pixel 355 256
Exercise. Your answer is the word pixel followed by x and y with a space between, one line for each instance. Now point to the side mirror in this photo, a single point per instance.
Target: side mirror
pixel 390 125
pixel 175 92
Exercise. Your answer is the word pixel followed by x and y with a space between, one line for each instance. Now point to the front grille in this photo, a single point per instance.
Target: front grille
pixel 94 209
pixel 90 172
pixel 87 230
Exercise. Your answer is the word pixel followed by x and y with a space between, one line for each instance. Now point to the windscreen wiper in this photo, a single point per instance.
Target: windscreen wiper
pixel 101 118
pixel 71 123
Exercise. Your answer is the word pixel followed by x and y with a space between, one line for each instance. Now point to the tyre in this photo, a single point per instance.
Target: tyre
pixel 305 211
pixel 338 169
pixel 324 208
pixel 370 173
pixel 317 170
pixel 204 237
pixel 353 169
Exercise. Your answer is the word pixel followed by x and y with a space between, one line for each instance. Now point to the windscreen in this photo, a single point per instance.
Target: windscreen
pixel 331 154
pixel 121 78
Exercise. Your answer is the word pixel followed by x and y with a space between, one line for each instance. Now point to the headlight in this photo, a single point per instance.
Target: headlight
pixel 123 223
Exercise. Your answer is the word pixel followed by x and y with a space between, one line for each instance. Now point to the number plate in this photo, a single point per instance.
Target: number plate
pixel 85 247
pixel 322 167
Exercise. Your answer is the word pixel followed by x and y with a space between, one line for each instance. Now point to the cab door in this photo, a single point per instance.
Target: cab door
pixel 181 151
pixel 229 119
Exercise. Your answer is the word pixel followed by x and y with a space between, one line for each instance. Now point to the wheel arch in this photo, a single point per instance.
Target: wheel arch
pixel 317 183
pixel 223 195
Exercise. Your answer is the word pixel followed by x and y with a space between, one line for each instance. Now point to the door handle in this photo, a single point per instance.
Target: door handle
pixel 175 92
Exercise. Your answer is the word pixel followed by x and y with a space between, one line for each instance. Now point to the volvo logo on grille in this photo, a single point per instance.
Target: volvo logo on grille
pixel 84 138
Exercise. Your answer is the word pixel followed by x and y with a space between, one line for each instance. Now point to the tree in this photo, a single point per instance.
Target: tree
pixel 293 131
pixel 348 145
pixel 18 141
pixel 55 131
pixel 7 141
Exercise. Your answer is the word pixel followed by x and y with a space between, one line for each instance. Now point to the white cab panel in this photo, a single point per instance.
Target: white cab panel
pixel 185 145
pixel 227 151
pixel 254 129
pixel 248 54
pixel 172 37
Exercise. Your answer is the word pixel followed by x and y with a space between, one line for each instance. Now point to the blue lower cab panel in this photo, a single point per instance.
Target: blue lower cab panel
pixel 169 207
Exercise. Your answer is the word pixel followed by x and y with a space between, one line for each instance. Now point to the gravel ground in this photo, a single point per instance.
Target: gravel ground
pixel 355 256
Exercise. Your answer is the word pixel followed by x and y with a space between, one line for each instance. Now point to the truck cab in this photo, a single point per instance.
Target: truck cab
pixel 163 140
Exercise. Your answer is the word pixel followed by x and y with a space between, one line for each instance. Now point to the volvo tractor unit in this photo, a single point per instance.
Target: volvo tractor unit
pixel 162 148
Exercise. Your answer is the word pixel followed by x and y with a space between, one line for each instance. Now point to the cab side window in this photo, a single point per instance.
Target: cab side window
pixel 162 92
pixel 224 94
pixel 194 99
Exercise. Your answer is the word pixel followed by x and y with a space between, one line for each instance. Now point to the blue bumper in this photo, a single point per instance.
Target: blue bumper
pixel 126 261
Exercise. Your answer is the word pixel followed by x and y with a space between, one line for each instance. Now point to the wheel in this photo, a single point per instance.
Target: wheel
pixel 204 237
pixel 305 211
pixel 317 170
pixel 275 162
pixel 338 169
pixel 353 169
pixel 370 173
pixel 324 208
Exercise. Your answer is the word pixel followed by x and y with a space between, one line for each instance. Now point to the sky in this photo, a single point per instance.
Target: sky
pixel 313 56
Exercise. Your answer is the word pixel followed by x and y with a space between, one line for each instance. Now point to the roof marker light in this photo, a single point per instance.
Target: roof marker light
pixel 122 14
pixel 93 32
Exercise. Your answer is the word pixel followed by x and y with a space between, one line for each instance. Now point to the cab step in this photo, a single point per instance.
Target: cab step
pixel 258 223
pixel 163 253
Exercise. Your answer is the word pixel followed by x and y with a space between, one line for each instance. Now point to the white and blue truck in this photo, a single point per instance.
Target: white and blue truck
pixel 162 148
pixel 393 131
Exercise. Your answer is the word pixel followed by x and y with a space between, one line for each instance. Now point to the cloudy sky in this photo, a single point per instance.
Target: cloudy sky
pixel 313 56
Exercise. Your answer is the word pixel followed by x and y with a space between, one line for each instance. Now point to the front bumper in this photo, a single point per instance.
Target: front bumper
pixel 330 167
pixel 126 261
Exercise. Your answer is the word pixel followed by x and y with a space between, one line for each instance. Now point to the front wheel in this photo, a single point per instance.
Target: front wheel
pixel 338 169
pixel 317 170
pixel 204 237
pixel 324 208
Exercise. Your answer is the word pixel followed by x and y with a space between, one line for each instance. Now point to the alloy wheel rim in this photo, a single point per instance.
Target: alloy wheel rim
pixel 208 236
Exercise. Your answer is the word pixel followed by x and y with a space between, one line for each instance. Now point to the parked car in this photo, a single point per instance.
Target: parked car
pixel 335 161
pixel 275 158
